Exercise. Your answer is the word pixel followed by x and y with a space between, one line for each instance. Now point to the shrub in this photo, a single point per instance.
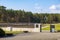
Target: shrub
pixel 9 34
pixel 58 30
pixel 2 33
pixel 25 31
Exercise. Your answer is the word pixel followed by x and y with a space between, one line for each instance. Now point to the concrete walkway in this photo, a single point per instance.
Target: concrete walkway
pixel 34 36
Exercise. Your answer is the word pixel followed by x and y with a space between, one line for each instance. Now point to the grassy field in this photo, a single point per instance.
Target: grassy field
pixel 45 27
pixel 57 27
pixel 13 32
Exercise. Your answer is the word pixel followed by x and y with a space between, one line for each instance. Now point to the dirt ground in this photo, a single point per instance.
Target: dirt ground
pixel 34 36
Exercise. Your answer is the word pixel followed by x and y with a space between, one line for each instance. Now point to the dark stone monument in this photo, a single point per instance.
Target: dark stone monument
pixel 52 28
pixel 40 28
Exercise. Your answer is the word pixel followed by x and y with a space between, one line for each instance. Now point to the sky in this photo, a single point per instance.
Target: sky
pixel 35 6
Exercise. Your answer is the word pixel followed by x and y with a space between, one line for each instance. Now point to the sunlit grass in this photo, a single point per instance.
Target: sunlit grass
pixel 57 27
pixel 13 32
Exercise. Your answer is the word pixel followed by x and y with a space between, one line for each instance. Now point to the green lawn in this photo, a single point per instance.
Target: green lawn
pixel 57 27
pixel 13 32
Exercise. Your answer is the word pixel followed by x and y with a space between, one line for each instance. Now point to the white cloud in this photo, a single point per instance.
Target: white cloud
pixel 53 7
pixel 58 7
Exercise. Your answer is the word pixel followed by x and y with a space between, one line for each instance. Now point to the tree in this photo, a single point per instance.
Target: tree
pixel 10 15
pixel 2 13
pixel 22 16
pixel 29 16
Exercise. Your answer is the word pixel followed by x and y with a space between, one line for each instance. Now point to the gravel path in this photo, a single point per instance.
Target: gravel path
pixel 34 36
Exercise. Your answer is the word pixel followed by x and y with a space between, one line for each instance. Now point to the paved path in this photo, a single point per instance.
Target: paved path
pixel 34 36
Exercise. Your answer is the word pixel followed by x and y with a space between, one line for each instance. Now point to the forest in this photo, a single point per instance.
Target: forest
pixel 22 16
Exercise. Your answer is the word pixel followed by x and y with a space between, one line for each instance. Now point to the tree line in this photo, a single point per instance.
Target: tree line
pixel 21 16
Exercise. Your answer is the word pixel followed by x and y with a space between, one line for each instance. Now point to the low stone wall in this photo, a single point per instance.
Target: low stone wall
pixel 5 28
pixel 21 29
pixel 31 27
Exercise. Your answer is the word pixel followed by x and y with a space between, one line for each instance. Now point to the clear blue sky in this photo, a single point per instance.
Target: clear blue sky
pixel 33 5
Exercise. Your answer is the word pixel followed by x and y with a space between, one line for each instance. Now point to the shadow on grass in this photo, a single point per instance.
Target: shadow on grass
pixel 8 35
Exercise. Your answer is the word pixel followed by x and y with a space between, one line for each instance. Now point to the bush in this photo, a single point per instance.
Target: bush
pixel 9 34
pixel 2 33
pixel 25 31
pixel 58 30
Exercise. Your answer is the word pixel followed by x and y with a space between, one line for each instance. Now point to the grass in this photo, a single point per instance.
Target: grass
pixel 57 27
pixel 13 32
pixel 46 28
